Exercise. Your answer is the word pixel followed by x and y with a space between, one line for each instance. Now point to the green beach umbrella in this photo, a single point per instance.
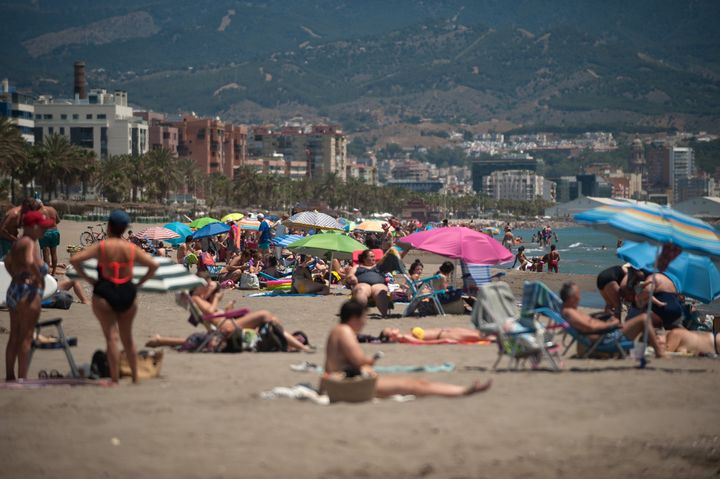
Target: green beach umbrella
pixel 200 222
pixel 339 245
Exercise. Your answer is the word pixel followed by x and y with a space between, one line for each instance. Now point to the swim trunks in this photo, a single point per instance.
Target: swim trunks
pixel 672 313
pixel 613 337
pixel 51 239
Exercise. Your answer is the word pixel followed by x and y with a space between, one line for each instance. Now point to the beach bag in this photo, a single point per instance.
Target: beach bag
pixel 59 300
pixel 271 338
pixel 339 388
pixel 149 363
pixel 235 342
pixel 249 281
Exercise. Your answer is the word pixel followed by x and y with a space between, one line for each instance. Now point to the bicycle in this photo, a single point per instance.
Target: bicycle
pixel 89 237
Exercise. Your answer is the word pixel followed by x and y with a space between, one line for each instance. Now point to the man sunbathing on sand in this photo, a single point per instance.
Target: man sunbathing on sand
pixel 344 355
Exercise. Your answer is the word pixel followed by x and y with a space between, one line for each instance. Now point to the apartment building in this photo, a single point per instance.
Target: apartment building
pixel 216 147
pixel 19 109
pixel 524 185
pixel 161 134
pixel 682 168
pixel 276 164
pixel 322 147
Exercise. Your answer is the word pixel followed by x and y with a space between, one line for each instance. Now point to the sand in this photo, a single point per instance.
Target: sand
pixel 203 418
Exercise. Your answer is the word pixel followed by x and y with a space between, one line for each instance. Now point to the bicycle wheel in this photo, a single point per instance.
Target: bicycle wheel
pixel 86 238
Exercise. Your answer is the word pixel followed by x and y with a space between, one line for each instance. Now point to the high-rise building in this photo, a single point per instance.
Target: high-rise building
pixel 593 185
pixel 216 147
pixel 19 108
pixel 657 172
pixel 682 168
pixel 522 185
pixel 638 164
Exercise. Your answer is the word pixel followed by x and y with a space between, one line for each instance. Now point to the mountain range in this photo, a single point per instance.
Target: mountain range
pixel 369 64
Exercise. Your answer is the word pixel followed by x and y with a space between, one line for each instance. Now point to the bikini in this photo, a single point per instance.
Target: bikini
pixel 118 291
pixel 20 290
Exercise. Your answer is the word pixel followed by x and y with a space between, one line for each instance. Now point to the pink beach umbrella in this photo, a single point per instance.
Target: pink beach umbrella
pixel 459 243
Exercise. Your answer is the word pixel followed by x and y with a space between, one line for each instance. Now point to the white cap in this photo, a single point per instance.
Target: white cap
pixel 260 216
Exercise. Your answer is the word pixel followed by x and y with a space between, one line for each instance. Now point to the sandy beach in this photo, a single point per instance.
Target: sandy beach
pixel 203 417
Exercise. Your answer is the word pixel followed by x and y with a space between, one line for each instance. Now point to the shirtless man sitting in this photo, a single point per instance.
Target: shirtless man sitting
pixel 584 323
pixel 344 354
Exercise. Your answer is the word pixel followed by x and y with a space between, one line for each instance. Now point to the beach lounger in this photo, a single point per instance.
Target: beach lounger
pixel 63 342
pixel 198 318
pixel 519 336
pixel 475 275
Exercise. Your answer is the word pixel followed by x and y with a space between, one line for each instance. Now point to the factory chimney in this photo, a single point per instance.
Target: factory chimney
pixel 79 91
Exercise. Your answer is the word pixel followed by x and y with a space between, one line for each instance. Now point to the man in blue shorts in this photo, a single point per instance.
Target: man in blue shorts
pixel 265 235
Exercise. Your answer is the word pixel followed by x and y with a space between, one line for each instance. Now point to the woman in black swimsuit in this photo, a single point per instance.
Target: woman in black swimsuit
pixel 114 294
pixel 368 282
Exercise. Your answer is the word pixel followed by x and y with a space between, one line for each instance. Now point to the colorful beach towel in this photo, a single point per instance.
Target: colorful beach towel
pixel 304 392
pixel 308 367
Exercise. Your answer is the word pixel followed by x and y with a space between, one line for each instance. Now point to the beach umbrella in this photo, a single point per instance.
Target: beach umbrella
pixel 211 229
pixel 693 275
pixel 232 217
pixel 247 224
pixel 459 243
pixel 157 233
pixel 373 226
pixel 490 230
pixel 200 222
pixel 655 224
pixel 339 245
pixel 314 220
pixel 659 225
pixel 169 276
pixel 285 240
pixel 181 229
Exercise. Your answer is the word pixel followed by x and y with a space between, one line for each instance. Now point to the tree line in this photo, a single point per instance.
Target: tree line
pixel 56 166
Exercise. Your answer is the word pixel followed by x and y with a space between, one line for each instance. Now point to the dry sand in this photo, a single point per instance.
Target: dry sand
pixel 203 417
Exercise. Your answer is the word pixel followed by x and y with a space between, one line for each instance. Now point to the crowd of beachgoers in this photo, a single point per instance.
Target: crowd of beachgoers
pixel 640 305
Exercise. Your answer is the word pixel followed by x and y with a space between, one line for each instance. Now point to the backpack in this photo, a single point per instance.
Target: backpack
pixel 271 338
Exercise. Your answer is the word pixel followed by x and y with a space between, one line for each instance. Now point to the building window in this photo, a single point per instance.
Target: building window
pixel 103 143
pixel 48 117
pixel 62 130
pixel 82 137
pixel 88 116
pixel 38 135
pixel 101 116
pixel 63 116
pixel 51 130
pixel 76 116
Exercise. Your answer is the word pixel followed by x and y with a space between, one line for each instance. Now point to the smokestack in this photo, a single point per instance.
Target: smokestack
pixel 80 81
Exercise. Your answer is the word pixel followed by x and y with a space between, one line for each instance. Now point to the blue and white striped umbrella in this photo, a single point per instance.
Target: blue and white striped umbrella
pixel 656 224
pixel 314 220
pixel 285 240
pixel 170 276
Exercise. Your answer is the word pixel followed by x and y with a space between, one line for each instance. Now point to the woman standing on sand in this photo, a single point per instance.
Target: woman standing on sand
pixel 25 265
pixel 114 293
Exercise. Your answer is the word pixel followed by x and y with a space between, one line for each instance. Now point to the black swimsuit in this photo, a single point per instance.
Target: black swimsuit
pixel 119 292
pixel 613 274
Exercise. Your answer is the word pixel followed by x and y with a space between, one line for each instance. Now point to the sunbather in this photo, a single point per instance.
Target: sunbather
pixel 681 340
pixel 192 342
pixel 207 299
pixel 667 310
pixel 451 295
pixel 584 323
pixel 344 355
pixel 303 281
pixel 367 282
pixel 462 335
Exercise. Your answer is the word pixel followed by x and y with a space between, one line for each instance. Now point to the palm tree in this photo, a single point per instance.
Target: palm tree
pixel 188 174
pixel 55 158
pixel 161 172
pixel 113 179
pixel 13 152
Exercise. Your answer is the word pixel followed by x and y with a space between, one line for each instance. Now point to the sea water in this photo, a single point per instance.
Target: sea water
pixel 582 250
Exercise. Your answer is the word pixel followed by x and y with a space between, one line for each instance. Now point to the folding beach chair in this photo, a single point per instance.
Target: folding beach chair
pixel 63 342
pixel 543 301
pixel 520 337
pixel 198 318
pixel 418 291
pixel 475 275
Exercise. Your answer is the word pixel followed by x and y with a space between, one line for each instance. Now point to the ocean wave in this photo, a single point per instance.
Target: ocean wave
pixel 574 245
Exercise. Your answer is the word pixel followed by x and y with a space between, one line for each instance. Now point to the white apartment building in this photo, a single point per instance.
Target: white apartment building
pixel 102 122
pixel 682 167
pixel 18 108
pixel 522 185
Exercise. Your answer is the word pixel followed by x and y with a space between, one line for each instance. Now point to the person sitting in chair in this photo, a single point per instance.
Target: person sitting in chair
pixel 368 282
pixel 584 323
